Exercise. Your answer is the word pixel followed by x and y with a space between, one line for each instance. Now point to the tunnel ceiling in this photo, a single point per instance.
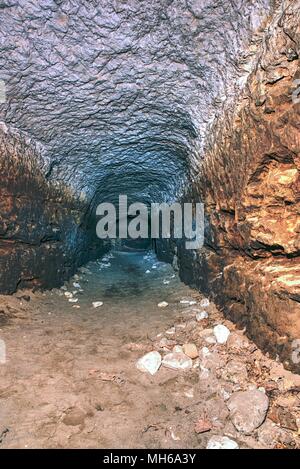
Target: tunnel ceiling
pixel 119 93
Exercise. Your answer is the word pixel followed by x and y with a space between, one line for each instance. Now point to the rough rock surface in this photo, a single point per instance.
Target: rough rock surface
pixel 119 93
pixel 248 410
pixel 249 182
pixel 127 97
pixel 149 363
pixel 44 234
pixel 177 361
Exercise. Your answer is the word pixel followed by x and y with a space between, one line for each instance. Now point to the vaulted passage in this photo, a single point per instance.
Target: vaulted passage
pixel 161 101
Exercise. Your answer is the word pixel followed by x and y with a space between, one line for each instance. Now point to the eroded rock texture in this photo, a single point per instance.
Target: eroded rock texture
pixel 119 93
pixel 44 233
pixel 114 97
pixel 250 183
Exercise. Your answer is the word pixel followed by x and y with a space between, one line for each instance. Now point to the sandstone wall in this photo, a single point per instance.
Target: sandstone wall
pixel 250 184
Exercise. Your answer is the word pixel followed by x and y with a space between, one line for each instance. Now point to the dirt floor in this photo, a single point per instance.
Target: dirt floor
pixel 69 378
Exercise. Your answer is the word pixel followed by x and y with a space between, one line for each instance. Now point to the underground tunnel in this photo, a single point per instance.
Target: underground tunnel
pixel 166 102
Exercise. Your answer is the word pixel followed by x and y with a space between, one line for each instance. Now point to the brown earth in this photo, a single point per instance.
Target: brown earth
pixel 70 379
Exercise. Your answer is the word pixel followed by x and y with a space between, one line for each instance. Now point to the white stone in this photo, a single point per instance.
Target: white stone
pixel 166 282
pixel 68 294
pixel 149 363
pixel 221 442
pixel 224 394
pixel 96 304
pixel 73 300
pixel 204 372
pixel 221 333
pixel 177 348
pixel 196 363
pixel 163 304
pixel 76 285
pixel 201 315
pixel 205 352
pixel 147 272
pixel 204 303
pixel 177 361
pixel 188 302
pixel 171 331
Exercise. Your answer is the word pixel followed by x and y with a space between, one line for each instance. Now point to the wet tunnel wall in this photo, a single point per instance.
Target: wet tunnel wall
pixel 161 101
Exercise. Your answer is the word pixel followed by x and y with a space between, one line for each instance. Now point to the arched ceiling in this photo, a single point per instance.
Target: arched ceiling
pixel 119 93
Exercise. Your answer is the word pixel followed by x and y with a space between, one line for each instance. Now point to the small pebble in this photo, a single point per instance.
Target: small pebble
pixel 163 304
pixel 201 315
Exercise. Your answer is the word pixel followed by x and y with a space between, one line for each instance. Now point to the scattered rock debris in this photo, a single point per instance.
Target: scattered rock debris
pixel 230 365
pixel 222 442
pixel 194 380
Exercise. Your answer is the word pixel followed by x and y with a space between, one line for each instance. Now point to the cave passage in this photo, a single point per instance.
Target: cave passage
pixel 146 343
pixel 75 375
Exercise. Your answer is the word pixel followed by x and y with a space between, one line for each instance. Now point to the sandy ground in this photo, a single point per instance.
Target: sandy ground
pixel 70 377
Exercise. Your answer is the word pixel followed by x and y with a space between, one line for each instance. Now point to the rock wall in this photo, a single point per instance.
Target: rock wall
pixel 138 99
pixel 250 184
pixel 44 235
pixel 119 95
